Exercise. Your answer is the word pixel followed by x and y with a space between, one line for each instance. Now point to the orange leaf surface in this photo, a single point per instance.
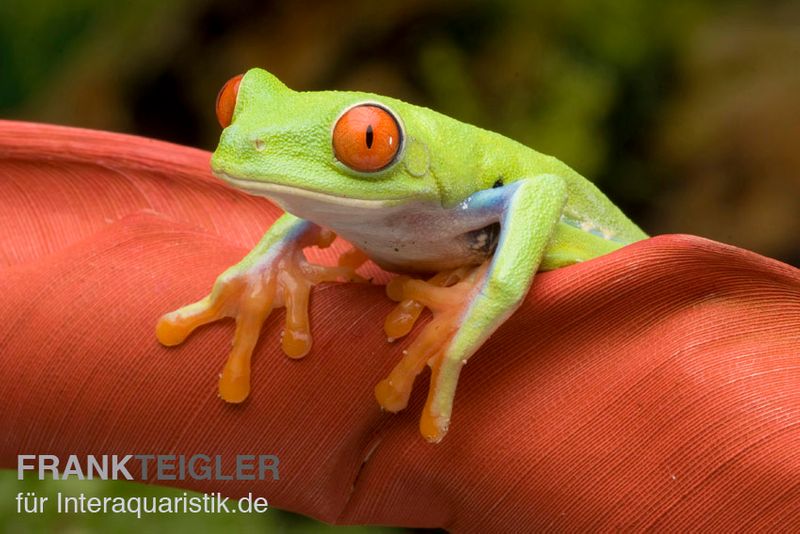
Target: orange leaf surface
pixel 658 386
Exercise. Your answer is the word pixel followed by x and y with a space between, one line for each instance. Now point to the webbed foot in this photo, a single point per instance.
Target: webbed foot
pixel 248 292
pixel 448 295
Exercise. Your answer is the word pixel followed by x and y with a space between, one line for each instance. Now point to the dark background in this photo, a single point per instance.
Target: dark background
pixel 686 113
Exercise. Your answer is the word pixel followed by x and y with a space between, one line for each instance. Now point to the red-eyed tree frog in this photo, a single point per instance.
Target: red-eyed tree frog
pixel 415 192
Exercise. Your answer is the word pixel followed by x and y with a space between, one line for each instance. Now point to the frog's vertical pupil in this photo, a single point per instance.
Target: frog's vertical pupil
pixel 369 136
pixel 366 138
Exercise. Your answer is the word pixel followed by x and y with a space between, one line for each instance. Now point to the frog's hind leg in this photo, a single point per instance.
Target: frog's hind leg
pixel 468 312
pixel 446 294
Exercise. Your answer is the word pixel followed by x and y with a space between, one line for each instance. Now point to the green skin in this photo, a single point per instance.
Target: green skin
pixel 422 212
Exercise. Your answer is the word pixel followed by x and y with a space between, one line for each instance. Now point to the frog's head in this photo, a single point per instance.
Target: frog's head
pixel 309 149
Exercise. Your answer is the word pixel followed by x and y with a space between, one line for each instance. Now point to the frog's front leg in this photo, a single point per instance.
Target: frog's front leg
pixel 274 274
pixel 478 301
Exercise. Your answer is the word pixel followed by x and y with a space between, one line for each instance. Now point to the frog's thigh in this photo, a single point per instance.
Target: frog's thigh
pixel 531 213
pixel 570 245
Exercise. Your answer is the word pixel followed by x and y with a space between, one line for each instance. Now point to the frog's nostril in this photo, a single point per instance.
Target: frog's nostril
pixel 259 144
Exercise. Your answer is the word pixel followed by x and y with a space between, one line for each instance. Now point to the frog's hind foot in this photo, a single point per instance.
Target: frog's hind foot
pixel 448 296
pixel 249 294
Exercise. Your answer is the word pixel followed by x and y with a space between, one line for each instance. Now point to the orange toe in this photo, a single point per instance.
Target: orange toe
pixel 447 295
pixel 171 331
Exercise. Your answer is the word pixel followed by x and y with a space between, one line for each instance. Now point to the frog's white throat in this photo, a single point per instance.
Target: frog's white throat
pixel 297 200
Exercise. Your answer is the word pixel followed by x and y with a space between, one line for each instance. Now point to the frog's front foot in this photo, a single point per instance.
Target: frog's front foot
pixel 448 295
pixel 248 292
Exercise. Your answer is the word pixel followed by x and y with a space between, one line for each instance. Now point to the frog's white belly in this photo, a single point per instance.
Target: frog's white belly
pixel 410 238
pixel 397 235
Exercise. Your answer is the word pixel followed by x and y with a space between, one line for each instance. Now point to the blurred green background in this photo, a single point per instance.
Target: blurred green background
pixel 686 113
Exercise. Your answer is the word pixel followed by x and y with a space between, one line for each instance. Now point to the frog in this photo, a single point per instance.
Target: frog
pixel 465 217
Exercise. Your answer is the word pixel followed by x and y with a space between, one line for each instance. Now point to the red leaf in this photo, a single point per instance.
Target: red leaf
pixel 658 386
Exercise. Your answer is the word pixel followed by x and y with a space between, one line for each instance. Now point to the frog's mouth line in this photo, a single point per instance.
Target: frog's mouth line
pixel 282 194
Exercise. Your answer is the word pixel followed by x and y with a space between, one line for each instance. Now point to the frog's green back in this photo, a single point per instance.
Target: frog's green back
pixel 468 159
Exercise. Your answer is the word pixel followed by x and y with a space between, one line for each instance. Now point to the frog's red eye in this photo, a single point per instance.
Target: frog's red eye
pixel 226 100
pixel 366 138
